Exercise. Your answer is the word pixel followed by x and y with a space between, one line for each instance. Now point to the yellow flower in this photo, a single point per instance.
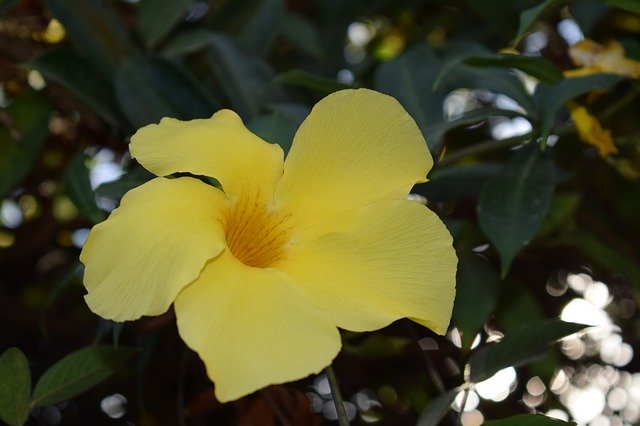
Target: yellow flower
pixel 593 58
pixel 590 131
pixel 263 272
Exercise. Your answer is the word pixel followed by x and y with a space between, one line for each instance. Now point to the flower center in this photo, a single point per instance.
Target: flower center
pixel 255 235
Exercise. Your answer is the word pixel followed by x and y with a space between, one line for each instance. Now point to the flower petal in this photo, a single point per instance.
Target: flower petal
pixel 253 327
pixel 220 147
pixel 376 264
pixel 356 146
pixel 151 246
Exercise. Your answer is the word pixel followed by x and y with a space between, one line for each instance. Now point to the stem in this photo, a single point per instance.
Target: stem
pixel 621 103
pixel 338 402
pixel 465 396
pixel 430 366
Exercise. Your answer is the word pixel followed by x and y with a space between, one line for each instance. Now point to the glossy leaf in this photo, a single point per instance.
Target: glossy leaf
pixel 15 387
pixel 437 408
pixel 22 135
pixel 78 372
pixel 527 420
pixel 409 78
pixel 187 41
pixel 157 17
pixel 536 66
pixel 148 89
pixel 78 188
pixel 529 16
pixel 477 292
pixel 550 98
pixel 301 78
pixel 515 201
pixel 73 72
pixel 519 347
pixel 244 75
pixel 632 6
pixel 95 29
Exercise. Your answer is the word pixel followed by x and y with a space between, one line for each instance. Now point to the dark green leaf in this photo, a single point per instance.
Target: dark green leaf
pixel 456 74
pixel 114 190
pixel 157 17
pixel 78 372
pixel 453 183
pixel 187 41
pixel 409 78
pixel 274 127
pixel 632 6
pixel 243 76
pixel 301 78
pixel 73 72
pixel 22 135
pixel 515 201
pixel 377 345
pixel 477 292
pixel 72 275
pixel 438 131
pixel 536 66
pixel 96 29
pixel 78 188
pixel 261 28
pixel 302 33
pixel 15 387
pixel 519 347
pixel 437 409
pixel 550 98
pixel 527 420
pixel 149 89
pixel 529 16
pixel 7 6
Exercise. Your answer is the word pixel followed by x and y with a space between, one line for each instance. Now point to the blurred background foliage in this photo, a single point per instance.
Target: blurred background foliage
pixel 530 109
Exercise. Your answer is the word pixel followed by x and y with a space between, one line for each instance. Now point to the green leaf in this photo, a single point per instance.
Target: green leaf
pixel 438 131
pixel 301 78
pixel 536 66
pixel 377 345
pixel 261 28
pixel 22 135
pixel 96 29
pixel 477 292
pixel 15 387
pixel 515 201
pixel 78 372
pixel 148 89
pixel 527 420
pixel 73 72
pixel 114 190
pixel 302 33
pixel 157 17
pixel 632 6
pixel 7 6
pixel 274 127
pixel 550 98
pixel 187 41
pixel 78 188
pixel 519 347
pixel 456 74
pixel 243 76
pixel 409 78
pixel 453 183
pixel 529 16
pixel 437 409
